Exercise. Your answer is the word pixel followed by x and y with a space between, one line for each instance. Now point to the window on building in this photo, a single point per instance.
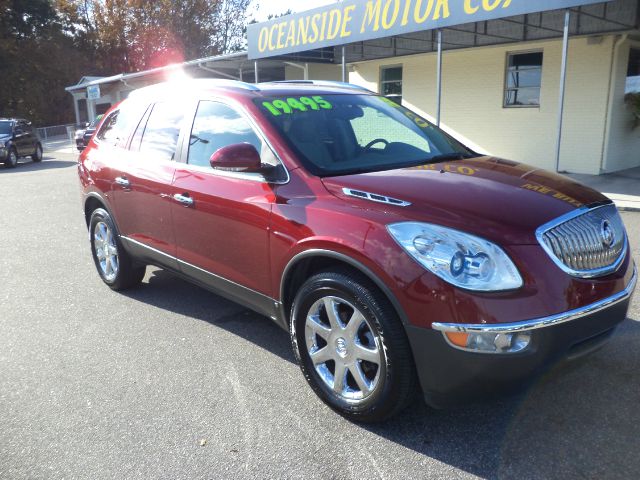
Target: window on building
pixel 391 83
pixel 633 72
pixel 524 79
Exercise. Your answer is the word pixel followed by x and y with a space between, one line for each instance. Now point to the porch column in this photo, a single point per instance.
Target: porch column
pixel 563 78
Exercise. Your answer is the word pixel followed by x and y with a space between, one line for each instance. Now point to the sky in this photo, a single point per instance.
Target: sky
pixel 260 9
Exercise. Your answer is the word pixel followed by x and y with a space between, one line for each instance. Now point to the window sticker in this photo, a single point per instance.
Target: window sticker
pixel 290 105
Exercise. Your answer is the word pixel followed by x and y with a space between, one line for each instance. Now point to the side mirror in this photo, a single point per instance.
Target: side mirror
pixel 239 157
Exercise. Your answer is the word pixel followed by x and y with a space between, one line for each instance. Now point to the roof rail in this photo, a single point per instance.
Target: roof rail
pixel 222 82
pixel 323 83
pixel 201 82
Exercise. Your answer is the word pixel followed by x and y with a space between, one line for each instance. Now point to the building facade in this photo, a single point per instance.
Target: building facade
pixel 500 82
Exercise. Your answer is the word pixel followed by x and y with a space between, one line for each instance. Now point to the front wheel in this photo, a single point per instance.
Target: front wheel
pixel 115 266
pixel 351 346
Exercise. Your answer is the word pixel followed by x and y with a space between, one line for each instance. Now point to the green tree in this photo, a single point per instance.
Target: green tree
pixel 37 60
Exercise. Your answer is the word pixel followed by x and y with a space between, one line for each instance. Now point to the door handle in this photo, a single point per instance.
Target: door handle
pixel 123 182
pixel 184 199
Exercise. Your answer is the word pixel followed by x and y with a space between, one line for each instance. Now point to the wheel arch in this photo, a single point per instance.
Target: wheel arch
pixel 305 264
pixel 94 200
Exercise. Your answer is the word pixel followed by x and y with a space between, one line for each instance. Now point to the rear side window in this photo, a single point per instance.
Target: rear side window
pixel 116 128
pixel 107 132
pixel 160 135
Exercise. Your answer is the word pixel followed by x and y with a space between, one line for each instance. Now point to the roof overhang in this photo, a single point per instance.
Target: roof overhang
pixel 379 28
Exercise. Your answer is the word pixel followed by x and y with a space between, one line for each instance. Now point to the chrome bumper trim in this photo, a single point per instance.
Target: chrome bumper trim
pixel 541 322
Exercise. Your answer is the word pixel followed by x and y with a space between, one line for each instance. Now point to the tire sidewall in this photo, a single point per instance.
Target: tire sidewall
pixel 38 154
pixel 101 215
pixel 330 285
pixel 12 154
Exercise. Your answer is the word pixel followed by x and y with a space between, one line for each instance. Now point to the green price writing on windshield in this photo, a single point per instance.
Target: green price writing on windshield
pixel 291 105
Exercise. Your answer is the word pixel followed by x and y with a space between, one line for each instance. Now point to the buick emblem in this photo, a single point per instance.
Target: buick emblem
pixel 606 232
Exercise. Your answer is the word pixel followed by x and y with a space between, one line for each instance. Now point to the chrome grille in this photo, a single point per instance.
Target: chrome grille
pixel 587 243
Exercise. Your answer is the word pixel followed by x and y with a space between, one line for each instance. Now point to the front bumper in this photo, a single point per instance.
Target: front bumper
pixel 451 376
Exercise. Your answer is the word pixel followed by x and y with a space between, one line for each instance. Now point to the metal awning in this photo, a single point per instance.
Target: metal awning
pixel 603 18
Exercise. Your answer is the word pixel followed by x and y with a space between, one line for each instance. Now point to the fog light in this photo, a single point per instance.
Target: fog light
pixel 489 342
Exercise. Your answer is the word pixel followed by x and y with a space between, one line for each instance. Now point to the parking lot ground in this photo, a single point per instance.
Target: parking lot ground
pixel 170 381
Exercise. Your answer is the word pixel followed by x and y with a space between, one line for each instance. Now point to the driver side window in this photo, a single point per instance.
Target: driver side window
pixel 374 125
pixel 217 125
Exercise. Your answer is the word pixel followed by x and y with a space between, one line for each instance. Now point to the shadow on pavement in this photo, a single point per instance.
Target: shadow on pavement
pixel 27 165
pixel 171 293
pixel 581 420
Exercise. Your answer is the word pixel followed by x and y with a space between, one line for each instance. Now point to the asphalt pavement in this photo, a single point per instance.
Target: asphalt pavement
pixel 171 382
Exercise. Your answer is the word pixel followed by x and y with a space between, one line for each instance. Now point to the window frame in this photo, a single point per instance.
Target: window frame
pixel 241 110
pixel 506 88
pixel 381 82
pixel 103 123
pixel 144 121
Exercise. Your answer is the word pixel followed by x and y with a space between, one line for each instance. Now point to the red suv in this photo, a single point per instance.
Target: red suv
pixel 394 255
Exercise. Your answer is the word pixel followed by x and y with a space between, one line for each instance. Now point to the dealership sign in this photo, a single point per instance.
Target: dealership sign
pixel 358 20
pixel 93 92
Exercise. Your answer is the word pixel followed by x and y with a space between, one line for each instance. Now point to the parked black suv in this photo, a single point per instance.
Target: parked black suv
pixel 18 139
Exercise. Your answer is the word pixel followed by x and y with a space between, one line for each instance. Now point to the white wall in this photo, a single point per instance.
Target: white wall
pixel 317 71
pixel 623 141
pixel 473 86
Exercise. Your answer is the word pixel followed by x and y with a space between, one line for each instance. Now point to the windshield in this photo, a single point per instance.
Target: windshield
pixel 344 134
pixel 5 128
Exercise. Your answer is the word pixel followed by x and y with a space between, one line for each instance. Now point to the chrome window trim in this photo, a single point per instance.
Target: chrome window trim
pixel 254 177
pixel 598 272
pixel 543 322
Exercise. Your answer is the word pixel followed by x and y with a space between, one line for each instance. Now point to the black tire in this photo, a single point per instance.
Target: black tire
pixel 127 274
pixel 37 154
pixel 396 384
pixel 12 158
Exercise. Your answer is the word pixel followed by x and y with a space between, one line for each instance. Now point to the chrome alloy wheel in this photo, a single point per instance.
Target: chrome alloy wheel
pixel 343 348
pixel 106 251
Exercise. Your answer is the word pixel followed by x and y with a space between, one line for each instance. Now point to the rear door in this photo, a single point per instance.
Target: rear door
pixel 22 142
pixel 142 190
pixel 222 233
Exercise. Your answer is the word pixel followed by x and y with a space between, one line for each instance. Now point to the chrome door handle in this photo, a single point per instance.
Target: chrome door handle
pixel 184 199
pixel 123 182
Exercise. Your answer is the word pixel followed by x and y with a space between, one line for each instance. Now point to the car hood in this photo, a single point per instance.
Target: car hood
pixel 497 199
pixel 4 138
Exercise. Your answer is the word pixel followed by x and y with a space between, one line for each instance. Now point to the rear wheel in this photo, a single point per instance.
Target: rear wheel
pixel 115 266
pixel 37 155
pixel 351 346
pixel 12 159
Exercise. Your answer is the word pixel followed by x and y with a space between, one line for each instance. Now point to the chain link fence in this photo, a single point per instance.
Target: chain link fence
pixel 57 131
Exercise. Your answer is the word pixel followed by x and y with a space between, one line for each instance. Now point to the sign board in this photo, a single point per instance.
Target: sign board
pixel 93 92
pixel 358 20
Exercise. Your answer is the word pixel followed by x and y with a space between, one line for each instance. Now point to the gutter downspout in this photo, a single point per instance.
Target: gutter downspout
pixel 617 43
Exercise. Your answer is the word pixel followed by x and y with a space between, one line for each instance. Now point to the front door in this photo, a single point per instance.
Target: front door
pixel 222 230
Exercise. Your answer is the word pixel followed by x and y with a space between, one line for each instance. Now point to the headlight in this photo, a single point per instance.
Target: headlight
pixel 461 259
